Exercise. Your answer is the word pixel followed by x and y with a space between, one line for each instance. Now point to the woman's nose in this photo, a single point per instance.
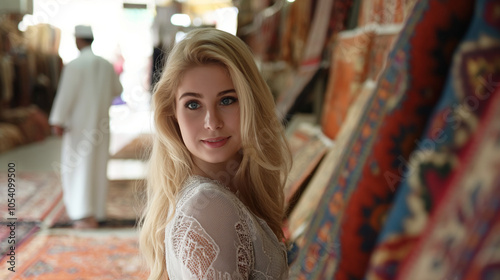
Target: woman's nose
pixel 212 120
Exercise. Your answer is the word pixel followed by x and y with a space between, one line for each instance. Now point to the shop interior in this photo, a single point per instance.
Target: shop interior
pixel 391 109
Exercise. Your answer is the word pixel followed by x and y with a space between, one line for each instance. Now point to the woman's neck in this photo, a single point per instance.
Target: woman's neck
pixel 222 172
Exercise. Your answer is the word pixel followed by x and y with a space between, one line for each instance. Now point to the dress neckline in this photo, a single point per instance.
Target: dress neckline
pixel 200 178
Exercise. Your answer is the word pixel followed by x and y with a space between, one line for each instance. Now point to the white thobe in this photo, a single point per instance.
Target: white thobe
pixel 87 87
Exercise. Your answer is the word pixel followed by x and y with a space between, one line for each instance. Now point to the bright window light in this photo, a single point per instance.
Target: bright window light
pixel 180 20
pixel 26 22
pixel 179 36
pixel 197 21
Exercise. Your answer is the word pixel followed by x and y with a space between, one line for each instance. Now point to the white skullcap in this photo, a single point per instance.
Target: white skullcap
pixel 84 32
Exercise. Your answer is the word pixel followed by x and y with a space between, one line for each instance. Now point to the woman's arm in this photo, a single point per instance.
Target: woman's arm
pixel 210 238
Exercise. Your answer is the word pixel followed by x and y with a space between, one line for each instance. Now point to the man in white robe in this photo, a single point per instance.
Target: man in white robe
pixel 80 115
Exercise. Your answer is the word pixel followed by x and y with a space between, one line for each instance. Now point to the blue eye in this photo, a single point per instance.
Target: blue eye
pixel 192 105
pixel 228 100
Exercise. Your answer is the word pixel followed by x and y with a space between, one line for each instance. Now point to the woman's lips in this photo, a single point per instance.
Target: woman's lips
pixel 215 142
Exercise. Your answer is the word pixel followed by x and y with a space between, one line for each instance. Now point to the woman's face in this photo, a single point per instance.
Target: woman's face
pixel 208 114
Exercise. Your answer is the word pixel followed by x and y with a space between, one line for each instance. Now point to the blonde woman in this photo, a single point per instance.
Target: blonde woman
pixel 219 162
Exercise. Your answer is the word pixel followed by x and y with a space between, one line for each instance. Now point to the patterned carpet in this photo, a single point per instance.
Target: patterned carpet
pixel 47 248
pixel 68 256
pixel 18 233
pixel 39 200
pixel 343 231
pixel 36 195
pixel 123 207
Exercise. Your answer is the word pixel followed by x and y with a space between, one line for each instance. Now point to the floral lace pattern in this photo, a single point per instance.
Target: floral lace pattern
pixel 214 236
pixel 191 243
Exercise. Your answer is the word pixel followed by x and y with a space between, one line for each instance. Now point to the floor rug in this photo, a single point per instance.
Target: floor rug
pixel 123 203
pixel 123 207
pixel 97 257
pixel 35 194
pixel 13 234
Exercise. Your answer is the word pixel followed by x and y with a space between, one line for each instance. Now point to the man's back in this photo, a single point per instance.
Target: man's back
pixel 88 85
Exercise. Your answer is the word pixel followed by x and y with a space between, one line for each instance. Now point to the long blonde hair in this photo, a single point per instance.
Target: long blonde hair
pixel 266 159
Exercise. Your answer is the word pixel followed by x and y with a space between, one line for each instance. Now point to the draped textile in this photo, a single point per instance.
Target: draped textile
pixel 343 232
pixel 471 85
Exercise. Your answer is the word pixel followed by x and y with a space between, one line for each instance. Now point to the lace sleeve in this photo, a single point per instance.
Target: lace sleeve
pixel 210 238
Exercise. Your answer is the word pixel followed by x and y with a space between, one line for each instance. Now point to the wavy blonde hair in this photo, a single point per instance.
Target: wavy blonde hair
pixel 266 158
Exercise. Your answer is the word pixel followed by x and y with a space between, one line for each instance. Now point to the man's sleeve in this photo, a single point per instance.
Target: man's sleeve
pixel 66 96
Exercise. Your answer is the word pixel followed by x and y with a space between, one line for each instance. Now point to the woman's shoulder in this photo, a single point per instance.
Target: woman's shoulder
pixel 201 191
pixel 211 206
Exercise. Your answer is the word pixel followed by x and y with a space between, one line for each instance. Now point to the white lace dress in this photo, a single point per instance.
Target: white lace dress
pixel 214 236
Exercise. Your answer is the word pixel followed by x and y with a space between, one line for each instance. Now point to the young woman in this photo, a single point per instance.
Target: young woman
pixel 219 162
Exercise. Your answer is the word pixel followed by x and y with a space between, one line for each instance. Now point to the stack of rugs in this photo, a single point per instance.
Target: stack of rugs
pixel 21 126
pixel 408 186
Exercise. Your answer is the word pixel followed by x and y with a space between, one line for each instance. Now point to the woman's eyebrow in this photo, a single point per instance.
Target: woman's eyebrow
pixel 226 92
pixel 190 94
pixel 198 95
